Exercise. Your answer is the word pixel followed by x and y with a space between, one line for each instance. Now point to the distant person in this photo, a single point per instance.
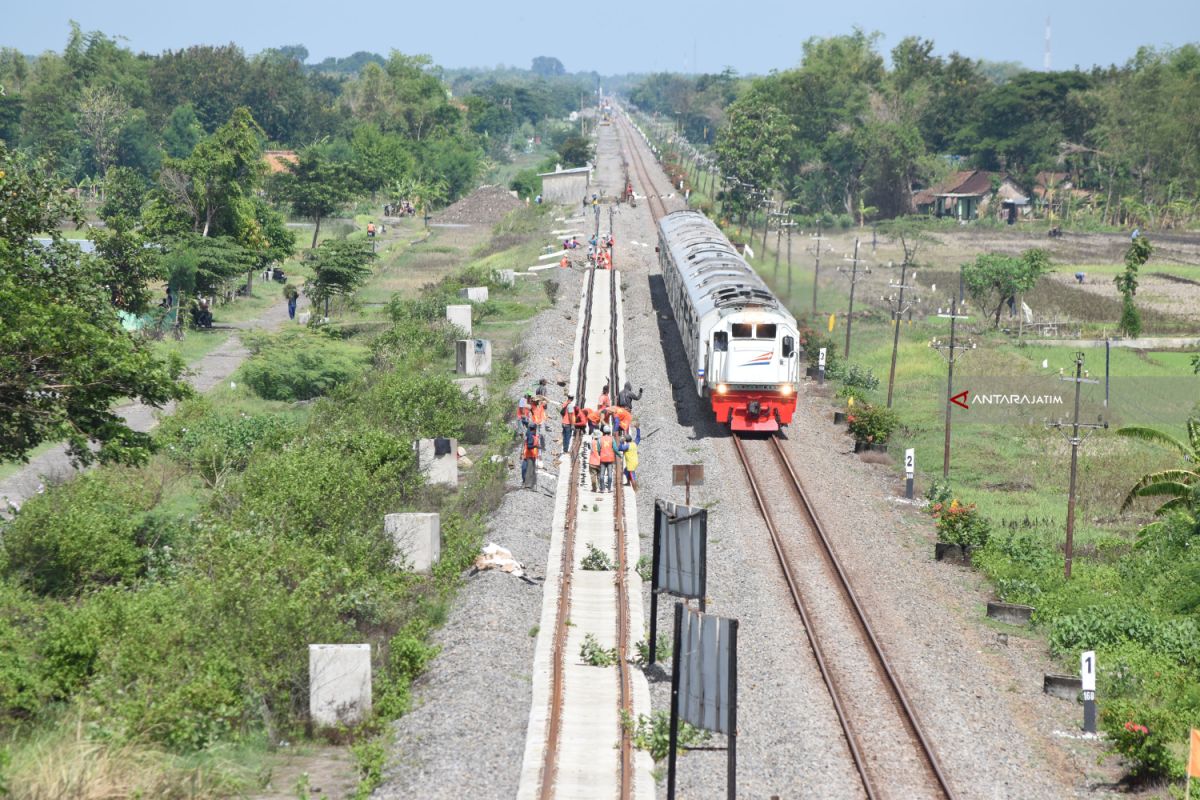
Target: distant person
pixel 292 301
pixel 529 457
pixel 626 396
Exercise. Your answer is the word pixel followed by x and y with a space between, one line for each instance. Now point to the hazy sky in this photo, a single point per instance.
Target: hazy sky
pixel 617 36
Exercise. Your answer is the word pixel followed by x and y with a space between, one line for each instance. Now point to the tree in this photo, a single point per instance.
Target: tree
pixel 1181 484
pixel 64 357
pixel 127 265
pixel 998 278
pixel 101 113
pixel 212 186
pixel 124 194
pixel 182 132
pixel 316 187
pixel 341 266
pixel 1138 254
pixel 575 151
pixel 546 66
pixel 750 149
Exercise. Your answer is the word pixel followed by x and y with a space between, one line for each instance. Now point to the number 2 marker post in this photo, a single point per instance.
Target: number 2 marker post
pixel 821 367
pixel 910 468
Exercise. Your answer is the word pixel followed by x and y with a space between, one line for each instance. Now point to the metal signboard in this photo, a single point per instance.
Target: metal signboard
pixel 704 684
pixel 679 557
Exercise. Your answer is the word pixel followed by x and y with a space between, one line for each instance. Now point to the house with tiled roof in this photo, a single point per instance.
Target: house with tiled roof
pixel 969 194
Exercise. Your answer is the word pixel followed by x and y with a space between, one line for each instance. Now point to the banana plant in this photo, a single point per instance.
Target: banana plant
pixel 1181 484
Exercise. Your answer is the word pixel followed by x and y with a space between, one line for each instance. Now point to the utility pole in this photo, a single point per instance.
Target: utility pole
pixel 953 349
pixel 816 270
pixel 1076 440
pixel 778 242
pixel 850 310
pixel 896 315
pixel 767 204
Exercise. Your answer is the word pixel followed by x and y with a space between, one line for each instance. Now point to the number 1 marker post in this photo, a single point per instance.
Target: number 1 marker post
pixel 1087 671
pixel 910 468
pixel 821 367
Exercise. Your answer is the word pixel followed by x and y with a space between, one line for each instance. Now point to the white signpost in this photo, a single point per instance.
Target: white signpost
pixel 1087 672
pixel 910 468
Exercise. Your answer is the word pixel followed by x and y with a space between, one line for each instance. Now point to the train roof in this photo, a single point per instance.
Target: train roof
pixel 715 275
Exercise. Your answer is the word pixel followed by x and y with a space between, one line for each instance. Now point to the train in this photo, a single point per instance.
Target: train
pixel 741 342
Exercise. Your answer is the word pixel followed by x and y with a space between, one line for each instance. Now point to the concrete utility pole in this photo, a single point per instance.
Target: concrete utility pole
pixel 850 310
pixel 767 213
pixel 816 269
pixel 950 356
pixel 791 223
pixel 1076 440
pixel 896 317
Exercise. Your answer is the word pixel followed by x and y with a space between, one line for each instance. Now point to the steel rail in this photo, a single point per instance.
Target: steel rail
pixel 892 682
pixel 798 600
pixel 639 166
pixel 566 569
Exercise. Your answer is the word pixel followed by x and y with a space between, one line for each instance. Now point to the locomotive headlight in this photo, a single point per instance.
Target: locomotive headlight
pixel 722 388
pixel 785 389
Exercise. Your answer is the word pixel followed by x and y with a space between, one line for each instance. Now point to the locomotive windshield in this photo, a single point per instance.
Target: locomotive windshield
pixel 764 332
pixel 742 330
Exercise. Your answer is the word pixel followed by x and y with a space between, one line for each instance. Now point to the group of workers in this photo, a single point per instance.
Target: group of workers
pixel 599 252
pixel 610 428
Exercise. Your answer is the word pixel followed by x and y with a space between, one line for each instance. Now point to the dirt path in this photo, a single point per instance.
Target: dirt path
pixel 54 466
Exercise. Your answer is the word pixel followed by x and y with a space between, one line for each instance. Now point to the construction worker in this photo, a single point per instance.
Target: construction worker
pixel 537 420
pixel 625 397
pixel 608 458
pixel 593 446
pixel 629 452
pixel 529 458
pixel 602 403
pixel 568 423
pixel 523 413
pixel 566 262
pixel 622 416
pixel 593 419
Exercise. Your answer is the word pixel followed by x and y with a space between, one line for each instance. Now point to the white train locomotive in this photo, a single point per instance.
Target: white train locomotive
pixel 740 340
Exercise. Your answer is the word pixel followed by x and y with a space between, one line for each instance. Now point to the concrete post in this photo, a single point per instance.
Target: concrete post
pixel 459 317
pixel 339 683
pixel 438 470
pixel 474 357
pixel 416 538
pixel 475 294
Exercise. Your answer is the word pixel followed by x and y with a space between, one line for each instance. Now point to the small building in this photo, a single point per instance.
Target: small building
pixel 968 195
pixel 1055 193
pixel 566 186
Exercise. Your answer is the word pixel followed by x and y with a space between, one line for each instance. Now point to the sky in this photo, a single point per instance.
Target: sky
pixel 618 36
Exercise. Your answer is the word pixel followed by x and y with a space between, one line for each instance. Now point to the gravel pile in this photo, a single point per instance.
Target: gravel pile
pixel 465 736
pixel 487 205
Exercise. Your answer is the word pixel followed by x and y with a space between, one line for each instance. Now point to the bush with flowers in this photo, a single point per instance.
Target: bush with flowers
pixel 1146 737
pixel 960 523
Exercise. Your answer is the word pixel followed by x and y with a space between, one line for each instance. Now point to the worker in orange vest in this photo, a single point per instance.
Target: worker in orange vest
pixel 537 418
pixel 523 413
pixel 581 422
pixel 564 263
pixel 529 457
pixel 593 446
pixel 602 403
pixel 623 417
pixel 593 418
pixel 608 458
pixel 568 423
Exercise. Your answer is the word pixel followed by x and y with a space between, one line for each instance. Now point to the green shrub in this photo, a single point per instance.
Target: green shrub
pixel 23 689
pixel 860 377
pixel 412 403
pixel 857 394
pixel 213 442
pixel 939 491
pixel 873 424
pixel 961 524
pixel 300 365
pixel 85 533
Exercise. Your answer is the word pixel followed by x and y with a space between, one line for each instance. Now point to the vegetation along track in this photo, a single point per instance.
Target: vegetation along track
pixel 881 728
pixel 562 619
pixel 658 208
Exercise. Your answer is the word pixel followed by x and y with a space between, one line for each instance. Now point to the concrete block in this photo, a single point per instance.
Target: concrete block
pixel 339 683
pixel 508 277
pixel 467 384
pixel 438 470
pixel 417 539
pixel 476 294
pixel 460 317
pixel 474 357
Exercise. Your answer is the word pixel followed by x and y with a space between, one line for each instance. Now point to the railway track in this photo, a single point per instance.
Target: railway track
pixel 560 654
pixel 658 208
pixel 887 743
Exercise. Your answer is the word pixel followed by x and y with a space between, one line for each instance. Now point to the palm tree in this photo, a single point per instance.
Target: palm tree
pixel 1182 484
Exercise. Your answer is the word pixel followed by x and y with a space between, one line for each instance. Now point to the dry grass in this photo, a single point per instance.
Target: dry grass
pixel 65 764
pixel 871 457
